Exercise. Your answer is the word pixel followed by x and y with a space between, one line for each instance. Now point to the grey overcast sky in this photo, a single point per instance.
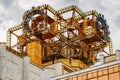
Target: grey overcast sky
pixel 11 12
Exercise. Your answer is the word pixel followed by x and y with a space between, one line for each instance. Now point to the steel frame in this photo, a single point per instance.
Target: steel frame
pixel 73 37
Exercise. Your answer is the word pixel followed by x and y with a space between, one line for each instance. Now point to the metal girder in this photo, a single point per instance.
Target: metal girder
pixel 51 9
pixel 48 7
pixel 61 11
pixel 70 8
pixel 79 11
pixel 88 13
pixel 78 32
pixel 10 31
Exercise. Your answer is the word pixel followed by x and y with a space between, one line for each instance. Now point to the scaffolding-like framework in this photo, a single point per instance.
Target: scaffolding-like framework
pixel 66 33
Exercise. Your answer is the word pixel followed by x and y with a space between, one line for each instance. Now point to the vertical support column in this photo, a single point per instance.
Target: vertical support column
pixel 56 24
pixel 1 68
pixel 26 68
pixel 8 38
pixel 117 54
pixel 2 60
pixel 69 53
pixel 62 69
pixel 85 30
pixel 65 51
pixel 110 48
pixel 93 22
pixel 102 59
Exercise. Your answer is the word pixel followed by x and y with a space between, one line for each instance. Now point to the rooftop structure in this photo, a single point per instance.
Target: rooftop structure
pixel 56 42
pixel 14 67
pixel 67 35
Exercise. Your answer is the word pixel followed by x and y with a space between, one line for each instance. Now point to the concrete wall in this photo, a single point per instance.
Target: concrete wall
pixel 36 73
pixel 56 69
pixel 13 67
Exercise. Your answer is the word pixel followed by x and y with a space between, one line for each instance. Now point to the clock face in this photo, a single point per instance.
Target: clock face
pixel 32 20
pixel 102 27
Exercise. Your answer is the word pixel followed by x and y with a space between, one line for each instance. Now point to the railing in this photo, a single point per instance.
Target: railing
pixel 14 52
